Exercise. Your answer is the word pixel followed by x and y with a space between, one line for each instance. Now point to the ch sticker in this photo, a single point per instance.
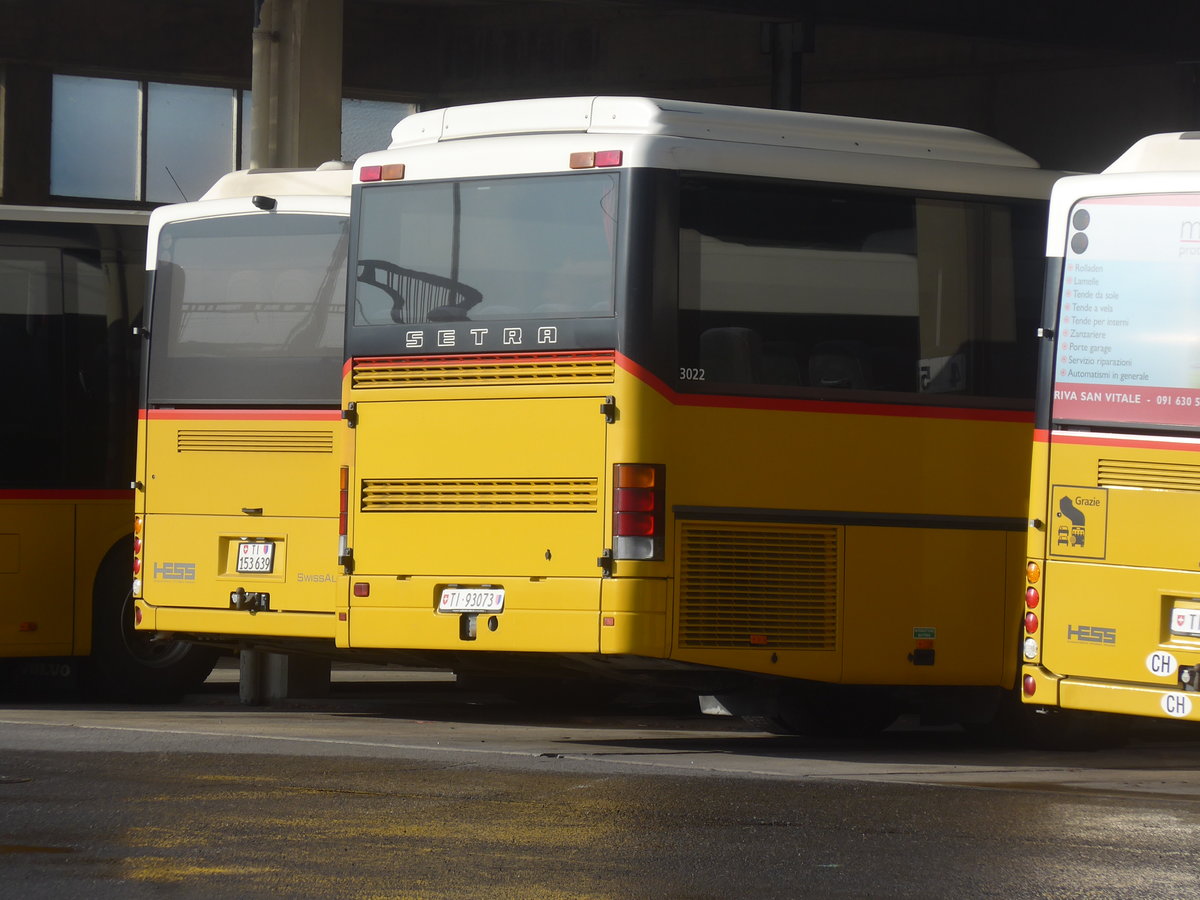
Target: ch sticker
pixel 1078 521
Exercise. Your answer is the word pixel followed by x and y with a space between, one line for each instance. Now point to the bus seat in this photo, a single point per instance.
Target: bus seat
pixel 731 355
pixel 840 364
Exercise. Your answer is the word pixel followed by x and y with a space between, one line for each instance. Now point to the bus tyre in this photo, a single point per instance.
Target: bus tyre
pixel 130 665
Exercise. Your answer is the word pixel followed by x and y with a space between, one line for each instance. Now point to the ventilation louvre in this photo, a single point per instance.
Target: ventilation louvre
pixel 480 495
pixel 1148 475
pixel 774 586
pixel 478 371
pixel 197 440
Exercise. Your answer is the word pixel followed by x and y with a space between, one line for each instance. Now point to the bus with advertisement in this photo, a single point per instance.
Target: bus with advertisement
pixel 239 431
pixel 1112 620
pixel 71 289
pixel 736 399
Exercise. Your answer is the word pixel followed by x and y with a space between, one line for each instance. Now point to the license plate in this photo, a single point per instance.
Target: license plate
pixel 1185 621
pixel 468 600
pixel 257 557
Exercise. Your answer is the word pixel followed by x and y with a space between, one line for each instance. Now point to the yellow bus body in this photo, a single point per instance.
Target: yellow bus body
pixel 430 518
pixel 238 477
pixel 51 547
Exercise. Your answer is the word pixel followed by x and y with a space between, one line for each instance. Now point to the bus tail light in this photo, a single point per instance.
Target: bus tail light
pixel 1029 685
pixel 639 516
pixel 137 556
pixel 344 518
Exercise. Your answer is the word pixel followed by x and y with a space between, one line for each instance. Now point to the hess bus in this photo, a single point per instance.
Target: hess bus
pixel 71 287
pixel 237 469
pixel 1113 577
pixel 666 389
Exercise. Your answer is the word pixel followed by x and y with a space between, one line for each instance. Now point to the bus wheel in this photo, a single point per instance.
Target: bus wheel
pixel 840 712
pixel 130 665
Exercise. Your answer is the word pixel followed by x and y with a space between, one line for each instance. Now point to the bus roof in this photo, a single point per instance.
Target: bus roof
pixel 1177 151
pixel 1166 163
pixel 331 178
pixel 676 118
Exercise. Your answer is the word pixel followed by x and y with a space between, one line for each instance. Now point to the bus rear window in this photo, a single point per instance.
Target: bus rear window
pixel 487 250
pixel 1128 336
pixel 249 309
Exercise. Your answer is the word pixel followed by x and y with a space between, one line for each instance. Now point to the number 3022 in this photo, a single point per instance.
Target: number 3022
pixel 689 374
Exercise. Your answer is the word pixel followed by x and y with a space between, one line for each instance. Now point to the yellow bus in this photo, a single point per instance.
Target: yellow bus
pixel 732 398
pixel 1113 581
pixel 71 288
pixel 237 469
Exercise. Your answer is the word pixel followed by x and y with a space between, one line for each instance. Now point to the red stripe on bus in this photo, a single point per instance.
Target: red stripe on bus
pixel 1186 445
pixel 904 410
pixel 243 415
pixel 66 494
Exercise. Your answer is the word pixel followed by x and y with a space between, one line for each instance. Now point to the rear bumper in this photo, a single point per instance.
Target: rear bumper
pixel 1152 701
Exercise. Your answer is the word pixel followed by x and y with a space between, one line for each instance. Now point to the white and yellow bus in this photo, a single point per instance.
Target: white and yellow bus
pixel 238 453
pixel 734 398
pixel 71 289
pixel 1113 589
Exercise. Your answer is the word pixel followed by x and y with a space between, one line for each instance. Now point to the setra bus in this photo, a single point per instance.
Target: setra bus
pixel 71 287
pixel 240 425
pixel 729 398
pixel 1113 582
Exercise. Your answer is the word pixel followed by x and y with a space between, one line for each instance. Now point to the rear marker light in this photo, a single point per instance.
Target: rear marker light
pixel 370 173
pixel 1033 572
pixel 362 589
pixel 596 159
pixel 1032 598
pixel 393 172
pixel 27 626
pixel 1031 622
pixel 1029 685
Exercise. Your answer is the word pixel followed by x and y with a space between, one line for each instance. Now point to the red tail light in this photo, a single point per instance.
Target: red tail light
pixel 639 514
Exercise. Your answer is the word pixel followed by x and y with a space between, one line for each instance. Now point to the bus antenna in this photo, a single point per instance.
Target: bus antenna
pixel 177 187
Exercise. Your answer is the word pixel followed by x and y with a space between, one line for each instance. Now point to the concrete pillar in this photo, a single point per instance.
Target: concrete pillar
pixel 271 677
pixel 295 122
pixel 296 81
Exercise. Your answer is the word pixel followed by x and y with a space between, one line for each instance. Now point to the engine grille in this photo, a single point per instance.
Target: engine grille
pixel 744 585
pixel 192 440
pixel 1153 476
pixel 477 371
pixel 476 495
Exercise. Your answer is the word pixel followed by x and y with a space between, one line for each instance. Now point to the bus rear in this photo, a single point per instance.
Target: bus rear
pixel 726 397
pixel 1113 579
pixel 240 430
